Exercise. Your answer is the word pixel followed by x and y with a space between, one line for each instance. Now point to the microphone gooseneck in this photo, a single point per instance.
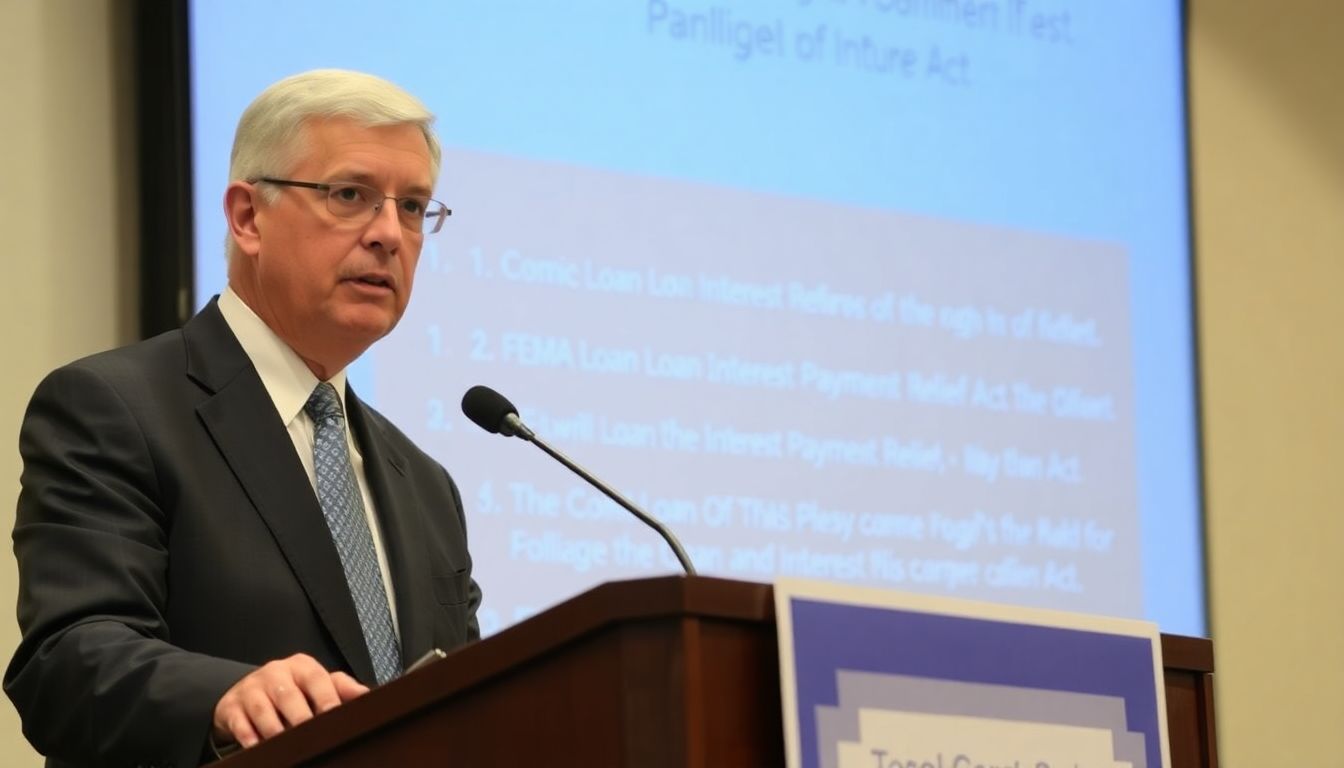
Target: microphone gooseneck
pixel 493 412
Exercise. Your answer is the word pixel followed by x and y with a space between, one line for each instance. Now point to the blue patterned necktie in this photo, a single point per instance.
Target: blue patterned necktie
pixel 343 506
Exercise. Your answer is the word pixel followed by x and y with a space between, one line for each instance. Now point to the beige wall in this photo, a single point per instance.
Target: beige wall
pixel 1269 171
pixel 69 249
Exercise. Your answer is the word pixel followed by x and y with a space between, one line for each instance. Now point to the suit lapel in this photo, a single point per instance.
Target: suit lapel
pixel 399 517
pixel 241 420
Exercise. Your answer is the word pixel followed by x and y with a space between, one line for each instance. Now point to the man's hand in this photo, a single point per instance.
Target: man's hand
pixel 280 695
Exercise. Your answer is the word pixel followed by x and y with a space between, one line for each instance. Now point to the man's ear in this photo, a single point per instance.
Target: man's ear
pixel 240 209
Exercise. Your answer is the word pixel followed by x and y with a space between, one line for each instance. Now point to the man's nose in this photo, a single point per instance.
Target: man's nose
pixel 385 230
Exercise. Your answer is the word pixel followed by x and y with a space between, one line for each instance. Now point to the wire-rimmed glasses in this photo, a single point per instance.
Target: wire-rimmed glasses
pixel 352 200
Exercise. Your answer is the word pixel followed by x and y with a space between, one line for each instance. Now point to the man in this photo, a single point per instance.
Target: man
pixel 216 539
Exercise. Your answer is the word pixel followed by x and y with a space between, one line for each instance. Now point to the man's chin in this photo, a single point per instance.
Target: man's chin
pixel 367 330
pixel 358 327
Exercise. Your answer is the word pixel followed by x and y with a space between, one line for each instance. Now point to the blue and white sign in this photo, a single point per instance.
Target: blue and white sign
pixel 877 679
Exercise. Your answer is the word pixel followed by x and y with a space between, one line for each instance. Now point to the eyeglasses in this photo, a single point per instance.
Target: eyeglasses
pixel 350 200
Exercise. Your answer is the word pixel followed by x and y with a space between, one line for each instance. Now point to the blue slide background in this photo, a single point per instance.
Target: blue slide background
pixel 1083 137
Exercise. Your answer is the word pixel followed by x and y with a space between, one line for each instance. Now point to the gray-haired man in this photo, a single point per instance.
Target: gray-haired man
pixel 216 539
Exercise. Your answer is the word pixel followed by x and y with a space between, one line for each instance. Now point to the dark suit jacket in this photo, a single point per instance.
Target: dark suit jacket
pixel 169 540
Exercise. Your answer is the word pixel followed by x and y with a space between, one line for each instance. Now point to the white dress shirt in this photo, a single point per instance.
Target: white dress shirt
pixel 289 383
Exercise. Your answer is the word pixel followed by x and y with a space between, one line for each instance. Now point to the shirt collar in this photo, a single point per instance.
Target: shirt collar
pixel 284 374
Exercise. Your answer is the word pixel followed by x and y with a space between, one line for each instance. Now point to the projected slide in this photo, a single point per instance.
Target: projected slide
pixel 884 292
pixel 798 388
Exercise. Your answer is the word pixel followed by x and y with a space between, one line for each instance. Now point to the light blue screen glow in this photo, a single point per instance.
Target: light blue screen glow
pixel 894 292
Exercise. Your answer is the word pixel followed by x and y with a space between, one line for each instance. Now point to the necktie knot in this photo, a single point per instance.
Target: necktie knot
pixel 323 404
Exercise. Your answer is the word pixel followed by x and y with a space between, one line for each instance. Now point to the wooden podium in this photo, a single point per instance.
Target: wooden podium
pixel 670 671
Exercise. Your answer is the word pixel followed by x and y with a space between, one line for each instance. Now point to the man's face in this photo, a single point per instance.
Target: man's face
pixel 329 286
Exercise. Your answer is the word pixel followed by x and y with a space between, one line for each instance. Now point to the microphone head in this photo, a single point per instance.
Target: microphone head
pixel 489 410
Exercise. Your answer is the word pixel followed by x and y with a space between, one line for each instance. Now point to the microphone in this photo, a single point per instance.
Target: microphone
pixel 493 412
